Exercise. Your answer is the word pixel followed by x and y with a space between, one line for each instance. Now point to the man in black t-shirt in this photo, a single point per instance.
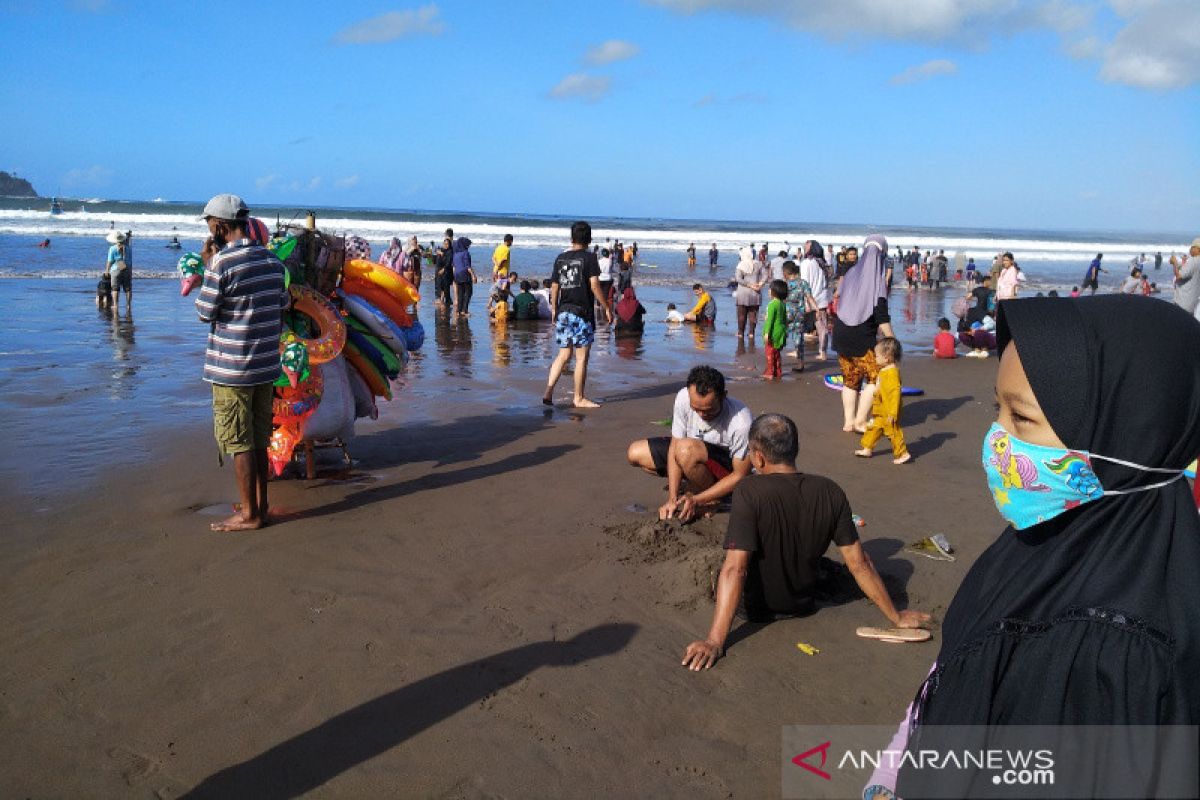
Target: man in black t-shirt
pixel 781 524
pixel 574 289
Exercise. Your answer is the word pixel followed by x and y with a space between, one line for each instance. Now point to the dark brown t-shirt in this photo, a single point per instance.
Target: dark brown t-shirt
pixel 786 522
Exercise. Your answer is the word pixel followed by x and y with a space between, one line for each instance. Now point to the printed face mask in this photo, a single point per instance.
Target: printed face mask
pixel 1031 483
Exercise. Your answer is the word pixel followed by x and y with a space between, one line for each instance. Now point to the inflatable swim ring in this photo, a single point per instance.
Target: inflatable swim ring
pixel 333 330
pixel 390 306
pixel 835 382
pixel 389 356
pixel 373 353
pixel 392 283
pixel 377 322
pixel 373 378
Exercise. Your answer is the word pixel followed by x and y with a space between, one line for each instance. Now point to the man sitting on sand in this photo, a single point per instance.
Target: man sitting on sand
pixel 709 435
pixel 781 524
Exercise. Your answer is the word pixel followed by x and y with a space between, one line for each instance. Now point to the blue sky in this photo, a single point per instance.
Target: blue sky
pixel 996 113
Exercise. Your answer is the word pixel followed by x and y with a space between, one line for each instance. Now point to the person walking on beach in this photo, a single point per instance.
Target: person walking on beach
pixel 710 433
pixel 1010 277
pixel 464 275
pixel 775 330
pixel 751 276
pixel 242 298
pixel 1187 279
pixel 1091 279
pixel 813 272
pixel 862 311
pixel 574 291
pixel 780 524
pixel 885 405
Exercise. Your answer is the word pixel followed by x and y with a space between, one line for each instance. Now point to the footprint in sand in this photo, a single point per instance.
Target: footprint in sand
pixel 135 768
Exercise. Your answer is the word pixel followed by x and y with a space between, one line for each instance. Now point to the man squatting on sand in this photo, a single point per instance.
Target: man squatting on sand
pixel 242 298
pixel 781 523
pixel 710 432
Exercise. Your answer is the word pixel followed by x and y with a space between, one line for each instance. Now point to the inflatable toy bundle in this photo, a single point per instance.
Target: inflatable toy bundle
pixel 336 361
pixel 380 332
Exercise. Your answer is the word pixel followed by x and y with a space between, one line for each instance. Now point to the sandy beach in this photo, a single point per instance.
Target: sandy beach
pixel 474 609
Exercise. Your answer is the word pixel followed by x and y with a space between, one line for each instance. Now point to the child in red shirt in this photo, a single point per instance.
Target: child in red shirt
pixel 944 343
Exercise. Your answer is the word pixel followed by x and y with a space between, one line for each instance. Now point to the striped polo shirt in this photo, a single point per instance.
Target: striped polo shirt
pixel 242 298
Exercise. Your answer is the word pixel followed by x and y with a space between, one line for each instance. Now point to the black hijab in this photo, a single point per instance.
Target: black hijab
pixel 1092 617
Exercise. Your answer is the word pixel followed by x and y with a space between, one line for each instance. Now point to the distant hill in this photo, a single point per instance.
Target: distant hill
pixel 12 186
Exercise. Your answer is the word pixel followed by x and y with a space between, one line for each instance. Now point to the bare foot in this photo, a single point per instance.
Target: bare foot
pixel 236 523
pixel 904 459
pixel 583 402
pixel 847 429
pixel 860 428
pixel 864 453
pixel 263 514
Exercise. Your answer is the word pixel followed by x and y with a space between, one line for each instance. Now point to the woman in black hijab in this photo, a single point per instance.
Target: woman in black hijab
pixel 1086 609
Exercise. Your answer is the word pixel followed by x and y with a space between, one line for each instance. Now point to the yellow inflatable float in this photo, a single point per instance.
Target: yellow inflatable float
pixel 395 285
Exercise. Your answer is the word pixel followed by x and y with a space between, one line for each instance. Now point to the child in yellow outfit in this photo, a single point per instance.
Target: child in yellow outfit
pixel 885 407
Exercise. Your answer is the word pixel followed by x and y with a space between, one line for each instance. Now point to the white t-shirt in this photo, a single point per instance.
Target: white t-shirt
pixel 730 429
pixel 543 298
pixel 605 268
pixel 810 270
pixel 777 268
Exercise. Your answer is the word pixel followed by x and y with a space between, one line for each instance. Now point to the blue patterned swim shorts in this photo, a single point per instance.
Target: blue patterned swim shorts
pixel 572 330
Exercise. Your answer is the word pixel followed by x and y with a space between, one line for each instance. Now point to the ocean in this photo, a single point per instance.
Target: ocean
pixel 79 386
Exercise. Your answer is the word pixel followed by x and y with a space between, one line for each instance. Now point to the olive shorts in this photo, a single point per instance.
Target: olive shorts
pixel 242 417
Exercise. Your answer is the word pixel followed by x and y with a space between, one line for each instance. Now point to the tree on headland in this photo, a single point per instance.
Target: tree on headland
pixel 12 186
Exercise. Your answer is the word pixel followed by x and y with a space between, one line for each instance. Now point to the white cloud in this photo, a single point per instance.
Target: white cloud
pixel 589 88
pixel 923 72
pixel 424 21
pixel 94 175
pixel 1157 49
pixel 611 51
pixel 349 182
pixel 921 20
pixel 266 181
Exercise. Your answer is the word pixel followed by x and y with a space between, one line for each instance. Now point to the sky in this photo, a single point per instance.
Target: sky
pixel 1053 114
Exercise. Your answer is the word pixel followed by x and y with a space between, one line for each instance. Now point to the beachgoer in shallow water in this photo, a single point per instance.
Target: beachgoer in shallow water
pixel 242 298
pixel 502 258
pixel 1091 279
pixel 1187 279
pixel 1086 608
pixel 464 274
pixel 525 304
pixel 629 315
pixel 707 446
pixel 393 257
pixel 118 264
pixel 799 301
pixel 705 310
pixel 815 272
pixel 750 275
pixel 574 291
pixel 713 254
pixel 780 525
pixel 775 331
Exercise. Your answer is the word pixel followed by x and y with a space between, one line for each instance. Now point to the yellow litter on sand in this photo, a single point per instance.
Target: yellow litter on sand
pixel 807 649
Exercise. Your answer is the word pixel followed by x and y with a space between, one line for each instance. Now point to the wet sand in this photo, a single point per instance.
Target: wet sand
pixel 475 609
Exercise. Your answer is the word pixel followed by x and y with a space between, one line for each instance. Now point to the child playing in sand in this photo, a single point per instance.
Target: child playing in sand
pixel 775 330
pixel 799 302
pixel 885 407
pixel 944 343
pixel 673 313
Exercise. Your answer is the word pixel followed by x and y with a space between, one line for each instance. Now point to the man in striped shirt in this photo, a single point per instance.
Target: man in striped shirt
pixel 242 298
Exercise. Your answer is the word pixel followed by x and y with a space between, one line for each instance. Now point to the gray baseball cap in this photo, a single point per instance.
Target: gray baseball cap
pixel 225 206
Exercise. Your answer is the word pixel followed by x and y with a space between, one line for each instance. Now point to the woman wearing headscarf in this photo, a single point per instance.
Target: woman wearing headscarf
pixel 750 276
pixel 393 257
pixel 862 312
pixel 412 262
pixel 814 270
pixel 1086 610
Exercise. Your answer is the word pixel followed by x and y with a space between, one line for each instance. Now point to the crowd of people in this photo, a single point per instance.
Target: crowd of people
pixel 1097 561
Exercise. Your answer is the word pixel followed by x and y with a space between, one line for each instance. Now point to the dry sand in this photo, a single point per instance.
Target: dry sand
pixel 479 608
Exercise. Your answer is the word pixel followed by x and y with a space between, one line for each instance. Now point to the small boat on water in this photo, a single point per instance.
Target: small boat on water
pixel 55 206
